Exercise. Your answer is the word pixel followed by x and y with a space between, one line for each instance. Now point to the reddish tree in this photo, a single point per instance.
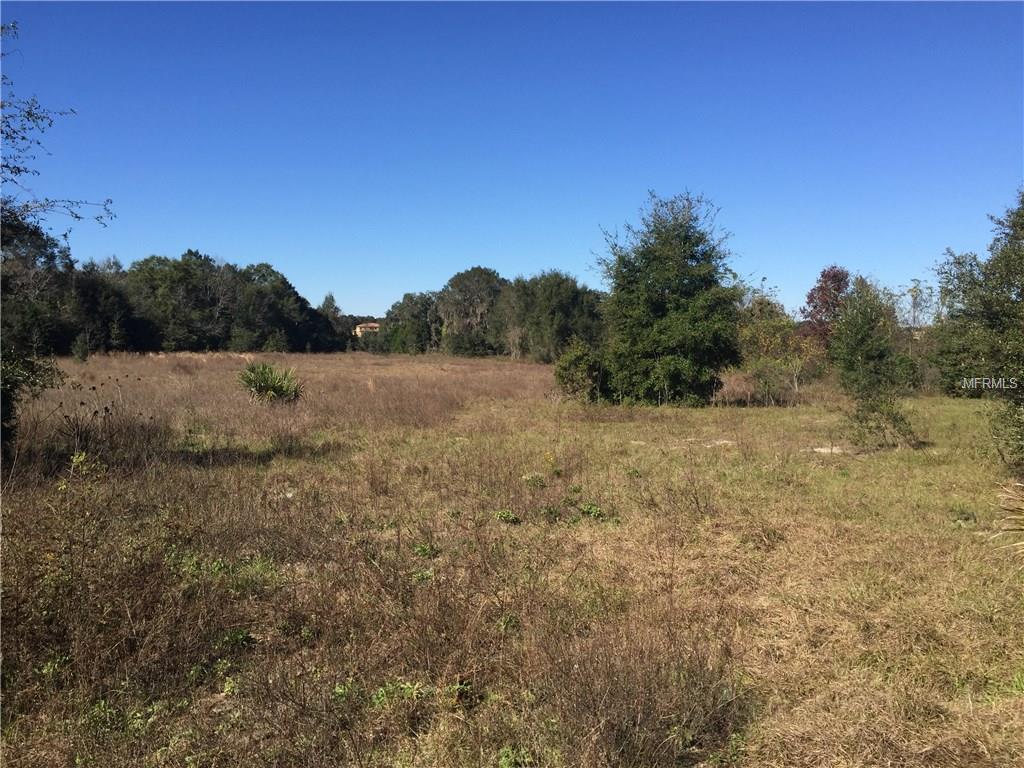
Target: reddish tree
pixel 824 302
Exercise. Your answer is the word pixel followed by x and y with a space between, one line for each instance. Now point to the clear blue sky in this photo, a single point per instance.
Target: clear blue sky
pixel 371 150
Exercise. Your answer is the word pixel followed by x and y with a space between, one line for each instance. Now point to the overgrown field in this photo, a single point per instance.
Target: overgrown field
pixel 435 562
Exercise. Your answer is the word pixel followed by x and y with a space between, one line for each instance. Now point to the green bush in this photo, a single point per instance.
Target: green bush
pixel 267 384
pixel 871 371
pixel 578 372
pixel 1008 430
pixel 20 376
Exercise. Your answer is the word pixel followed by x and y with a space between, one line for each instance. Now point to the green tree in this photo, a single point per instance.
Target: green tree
pixel 538 316
pixel 871 369
pixel 412 325
pixel 579 372
pixel 672 311
pixel 36 279
pixel 465 307
pixel 981 330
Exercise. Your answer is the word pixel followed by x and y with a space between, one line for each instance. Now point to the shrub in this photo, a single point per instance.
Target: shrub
pixel 267 384
pixel 21 375
pixel 578 372
pixel 871 371
pixel 1008 430
pixel 80 348
pixel 738 388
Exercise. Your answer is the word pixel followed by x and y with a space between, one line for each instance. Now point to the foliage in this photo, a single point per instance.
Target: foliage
pixel 21 375
pixel 80 347
pixel 465 306
pixel 871 371
pixel 578 372
pixel 1008 432
pixel 22 124
pixel 775 356
pixel 536 317
pixel 825 302
pixel 412 325
pixel 671 313
pixel 268 384
pixel 979 335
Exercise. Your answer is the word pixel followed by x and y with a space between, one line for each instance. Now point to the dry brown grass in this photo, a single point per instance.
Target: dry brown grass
pixel 434 562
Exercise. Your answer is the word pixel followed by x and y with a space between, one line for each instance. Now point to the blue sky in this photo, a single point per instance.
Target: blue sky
pixel 371 150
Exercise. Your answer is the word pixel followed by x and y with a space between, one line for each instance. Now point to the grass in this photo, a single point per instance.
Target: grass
pixel 429 561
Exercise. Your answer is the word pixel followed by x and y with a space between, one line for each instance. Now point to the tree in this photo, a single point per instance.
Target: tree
pixel 329 309
pixel 561 310
pixel 22 124
pixel 36 279
pixel 35 269
pixel 825 302
pixel 538 316
pixel 465 307
pixel 871 370
pixel 980 332
pixel 412 325
pixel 672 311
pixel 579 373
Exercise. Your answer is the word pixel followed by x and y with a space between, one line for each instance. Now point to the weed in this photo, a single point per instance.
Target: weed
pixel 515 756
pixel 426 550
pixel 423 576
pixel 507 516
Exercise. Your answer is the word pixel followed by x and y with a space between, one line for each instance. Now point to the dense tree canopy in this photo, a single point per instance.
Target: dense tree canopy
pixel 538 316
pixel 672 309
pixel 412 325
pixel 159 303
pixel 465 306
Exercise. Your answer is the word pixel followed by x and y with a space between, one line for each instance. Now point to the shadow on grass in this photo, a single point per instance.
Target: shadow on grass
pixel 230 456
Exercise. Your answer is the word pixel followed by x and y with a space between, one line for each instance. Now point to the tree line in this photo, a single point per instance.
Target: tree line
pixel 53 306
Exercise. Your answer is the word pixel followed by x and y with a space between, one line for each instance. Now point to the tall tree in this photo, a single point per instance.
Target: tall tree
pixel 412 325
pixel 672 309
pixel 465 307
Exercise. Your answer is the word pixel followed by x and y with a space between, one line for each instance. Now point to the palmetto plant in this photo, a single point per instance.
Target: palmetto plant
pixel 267 384
pixel 1012 526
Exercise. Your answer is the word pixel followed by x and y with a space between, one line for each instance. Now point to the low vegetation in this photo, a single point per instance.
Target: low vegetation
pixel 267 384
pixel 431 561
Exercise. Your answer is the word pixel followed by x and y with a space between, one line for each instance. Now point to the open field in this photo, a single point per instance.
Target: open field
pixel 436 562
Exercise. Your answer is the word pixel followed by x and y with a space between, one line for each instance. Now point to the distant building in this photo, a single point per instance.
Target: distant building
pixel 367 328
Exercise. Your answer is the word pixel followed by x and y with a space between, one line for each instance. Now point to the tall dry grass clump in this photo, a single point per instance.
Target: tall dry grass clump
pixel 1011 527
